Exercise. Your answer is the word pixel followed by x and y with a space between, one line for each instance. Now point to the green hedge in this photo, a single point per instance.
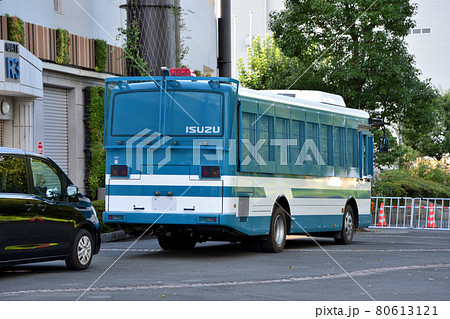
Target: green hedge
pixel 407 183
pixel 101 55
pixel 62 46
pixel 96 166
pixel 16 29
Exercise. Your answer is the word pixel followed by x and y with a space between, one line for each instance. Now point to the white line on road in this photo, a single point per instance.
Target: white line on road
pixel 133 250
pixel 370 250
pixel 358 273
pixel 304 250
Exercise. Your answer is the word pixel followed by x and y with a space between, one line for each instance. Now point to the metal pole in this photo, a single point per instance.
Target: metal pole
pixel 224 60
pixel 251 28
pixel 234 75
pixel 266 19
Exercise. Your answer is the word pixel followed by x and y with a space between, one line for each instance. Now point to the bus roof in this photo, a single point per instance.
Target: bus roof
pixel 286 98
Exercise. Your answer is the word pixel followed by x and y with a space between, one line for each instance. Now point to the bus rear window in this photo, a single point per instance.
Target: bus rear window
pixel 134 112
pixel 194 113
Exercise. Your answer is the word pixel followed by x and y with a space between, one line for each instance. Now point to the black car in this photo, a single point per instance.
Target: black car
pixel 42 215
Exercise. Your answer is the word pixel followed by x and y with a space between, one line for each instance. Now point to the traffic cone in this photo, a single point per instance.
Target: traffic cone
pixel 381 216
pixel 431 223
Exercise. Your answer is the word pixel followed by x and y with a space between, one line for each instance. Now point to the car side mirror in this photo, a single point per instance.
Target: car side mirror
pixel 384 144
pixel 72 192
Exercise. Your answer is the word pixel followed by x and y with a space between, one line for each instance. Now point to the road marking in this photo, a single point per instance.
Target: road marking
pixel 403 236
pixel 303 250
pixel 358 273
pixel 369 250
pixel 132 250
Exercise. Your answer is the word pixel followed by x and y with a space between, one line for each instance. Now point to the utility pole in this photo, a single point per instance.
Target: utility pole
pixel 224 60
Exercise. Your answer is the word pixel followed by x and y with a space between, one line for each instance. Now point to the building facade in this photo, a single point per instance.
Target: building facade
pixel 42 98
pixel 429 41
pixel 250 19
pixel 199 35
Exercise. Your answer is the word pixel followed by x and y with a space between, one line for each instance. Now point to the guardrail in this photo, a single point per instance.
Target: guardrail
pixel 407 212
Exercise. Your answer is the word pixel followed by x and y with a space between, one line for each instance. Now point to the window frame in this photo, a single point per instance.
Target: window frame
pixel 65 181
pixel 27 177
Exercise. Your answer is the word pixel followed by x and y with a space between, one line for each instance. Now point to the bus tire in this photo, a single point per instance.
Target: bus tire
pixel 186 243
pixel 167 242
pixel 175 242
pixel 81 251
pixel 274 243
pixel 348 227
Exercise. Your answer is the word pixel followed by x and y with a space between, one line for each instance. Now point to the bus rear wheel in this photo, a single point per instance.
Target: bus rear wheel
pixel 176 242
pixel 274 243
pixel 348 227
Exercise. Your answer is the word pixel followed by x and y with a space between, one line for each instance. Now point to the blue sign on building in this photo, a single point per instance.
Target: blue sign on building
pixel 12 68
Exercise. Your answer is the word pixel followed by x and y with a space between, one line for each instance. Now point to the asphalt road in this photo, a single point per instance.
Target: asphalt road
pixel 381 264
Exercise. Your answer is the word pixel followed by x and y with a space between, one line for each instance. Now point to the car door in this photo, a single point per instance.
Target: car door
pixel 55 216
pixel 17 213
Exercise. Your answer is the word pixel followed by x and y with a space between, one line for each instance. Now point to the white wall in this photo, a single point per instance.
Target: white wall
pixel 73 18
pixel 200 35
pixel 260 15
pixel 432 49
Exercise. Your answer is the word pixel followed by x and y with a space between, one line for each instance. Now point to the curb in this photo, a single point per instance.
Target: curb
pixel 114 236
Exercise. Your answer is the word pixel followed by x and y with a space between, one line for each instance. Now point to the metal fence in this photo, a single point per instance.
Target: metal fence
pixel 407 212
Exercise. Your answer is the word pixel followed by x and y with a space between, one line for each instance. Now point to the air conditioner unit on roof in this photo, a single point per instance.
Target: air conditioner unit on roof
pixel 315 96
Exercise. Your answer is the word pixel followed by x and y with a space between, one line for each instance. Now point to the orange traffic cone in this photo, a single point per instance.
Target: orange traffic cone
pixel 381 217
pixel 431 221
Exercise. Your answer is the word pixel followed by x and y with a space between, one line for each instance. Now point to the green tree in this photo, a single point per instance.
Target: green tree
pixel 435 142
pixel 269 68
pixel 136 65
pixel 360 45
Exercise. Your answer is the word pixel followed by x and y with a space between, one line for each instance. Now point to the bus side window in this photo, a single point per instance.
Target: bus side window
pixel 248 132
pixel 366 154
pixel 340 167
pixel 326 143
pixel 312 157
pixel 267 132
pixel 282 156
pixel 352 152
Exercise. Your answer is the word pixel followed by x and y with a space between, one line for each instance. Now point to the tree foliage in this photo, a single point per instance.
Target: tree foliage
pixel 269 68
pixel 361 45
pixel 136 65
pixel 436 141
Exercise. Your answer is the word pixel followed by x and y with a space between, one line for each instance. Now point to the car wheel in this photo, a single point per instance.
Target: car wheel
pixel 348 227
pixel 274 243
pixel 81 252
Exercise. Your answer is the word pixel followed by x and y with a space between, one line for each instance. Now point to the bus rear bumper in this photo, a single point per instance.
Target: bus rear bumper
pixel 249 226
pixel 160 218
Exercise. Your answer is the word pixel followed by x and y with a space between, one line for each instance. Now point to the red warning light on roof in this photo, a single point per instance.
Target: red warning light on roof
pixel 182 72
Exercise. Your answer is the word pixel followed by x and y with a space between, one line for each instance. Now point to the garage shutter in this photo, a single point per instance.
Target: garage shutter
pixel 56 126
pixel 1 132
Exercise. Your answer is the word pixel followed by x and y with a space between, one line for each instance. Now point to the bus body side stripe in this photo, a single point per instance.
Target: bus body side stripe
pixel 329 193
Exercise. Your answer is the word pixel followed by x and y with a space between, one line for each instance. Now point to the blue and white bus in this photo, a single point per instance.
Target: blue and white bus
pixel 193 159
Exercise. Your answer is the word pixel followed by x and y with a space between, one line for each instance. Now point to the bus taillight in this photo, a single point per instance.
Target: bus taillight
pixel 119 170
pixel 182 72
pixel 210 172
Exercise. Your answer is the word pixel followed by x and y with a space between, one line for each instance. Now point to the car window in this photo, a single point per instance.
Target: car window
pixel 13 176
pixel 46 180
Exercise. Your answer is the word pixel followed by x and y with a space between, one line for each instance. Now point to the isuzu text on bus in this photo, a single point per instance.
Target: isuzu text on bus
pixel 193 159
